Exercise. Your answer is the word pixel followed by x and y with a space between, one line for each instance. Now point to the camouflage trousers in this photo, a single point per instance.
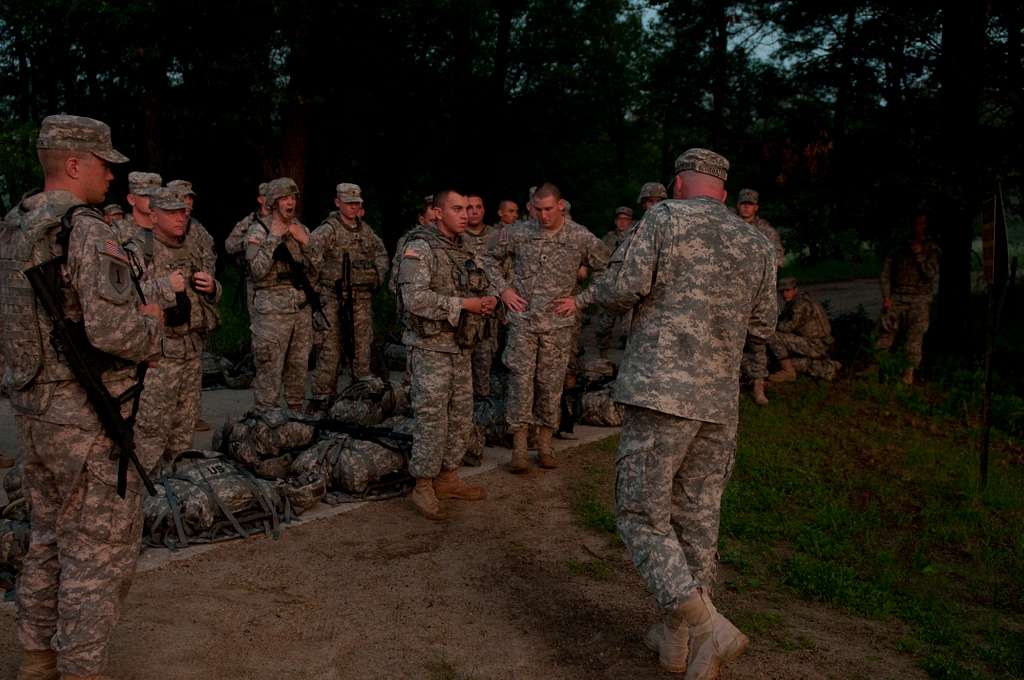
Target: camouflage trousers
pixel 483 359
pixel 604 328
pixel 754 363
pixel 85 543
pixel 442 404
pixel 168 408
pixel 537 364
pixel 280 347
pixel 670 475
pixel 790 345
pixel 909 314
pixel 328 344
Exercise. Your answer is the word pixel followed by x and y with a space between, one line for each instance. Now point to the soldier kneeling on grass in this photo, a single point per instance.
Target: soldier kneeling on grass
pixel 802 337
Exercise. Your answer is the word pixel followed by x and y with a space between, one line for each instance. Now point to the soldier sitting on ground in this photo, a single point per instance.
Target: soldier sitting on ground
pixel 803 333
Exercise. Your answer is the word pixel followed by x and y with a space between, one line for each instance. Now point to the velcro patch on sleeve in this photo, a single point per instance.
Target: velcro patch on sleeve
pixel 112 249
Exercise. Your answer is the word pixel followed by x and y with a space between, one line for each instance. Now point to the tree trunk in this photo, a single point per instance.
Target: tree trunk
pixel 962 63
pixel 719 72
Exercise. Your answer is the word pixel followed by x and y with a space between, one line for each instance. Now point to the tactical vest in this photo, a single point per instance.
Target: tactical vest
pixel 280 273
pixel 30 235
pixel 358 243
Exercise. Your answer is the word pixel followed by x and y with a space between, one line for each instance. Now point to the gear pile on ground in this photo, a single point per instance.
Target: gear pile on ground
pixel 265 441
pixel 368 401
pixel 220 371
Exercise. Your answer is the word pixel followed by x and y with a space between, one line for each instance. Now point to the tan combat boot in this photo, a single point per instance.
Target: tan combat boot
pixel 425 500
pixel 713 642
pixel 519 462
pixel 908 376
pixel 545 455
pixel 39 665
pixel 670 639
pixel 449 485
pixel 787 374
pixel 759 397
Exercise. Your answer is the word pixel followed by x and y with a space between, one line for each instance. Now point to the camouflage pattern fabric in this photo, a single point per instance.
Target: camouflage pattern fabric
pixel 350 464
pixel 766 228
pixel 234 244
pixel 910 314
pixel 168 409
pixel 84 538
pixel 715 283
pixel 483 352
pixel 670 475
pixel 822 368
pixel 281 321
pixel 537 363
pixel 910 280
pixel 263 434
pixel 369 401
pixel 598 407
pixel 442 405
pixel 489 418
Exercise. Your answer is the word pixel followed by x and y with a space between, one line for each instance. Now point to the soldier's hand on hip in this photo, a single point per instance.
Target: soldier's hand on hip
pixel 564 306
pixel 177 281
pixel 203 282
pixel 513 300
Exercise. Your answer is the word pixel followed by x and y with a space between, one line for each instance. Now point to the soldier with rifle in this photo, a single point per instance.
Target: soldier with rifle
pixel 74 330
pixel 285 305
pixel 354 265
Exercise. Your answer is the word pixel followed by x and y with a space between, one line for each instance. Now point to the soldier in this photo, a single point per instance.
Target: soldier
pixel 545 256
pixel 278 254
pixel 424 218
pixel 651 193
pixel 175 278
pixel 344 235
pixel 234 244
pixel 477 239
pixel 140 186
pixel 803 331
pixel 747 207
pixel 699 280
pixel 508 212
pixel 909 279
pixel 112 212
pixel 201 243
pixel 85 539
pixel 442 301
pixel 605 322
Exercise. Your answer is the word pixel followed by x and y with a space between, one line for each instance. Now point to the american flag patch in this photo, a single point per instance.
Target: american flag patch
pixel 411 253
pixel 112 249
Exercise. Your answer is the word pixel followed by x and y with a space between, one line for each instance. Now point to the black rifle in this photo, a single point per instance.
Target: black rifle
pixel 377 435
pixel 346 309
pixel 86 362
pixel 297 275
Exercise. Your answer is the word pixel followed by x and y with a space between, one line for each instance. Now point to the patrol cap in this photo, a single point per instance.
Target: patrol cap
pixel 143 183
pixel 787 283
pixel 349 193
pixel 703 161
pixel 77 133
pixel 281 187
pixel 652 190
pixel 182 186
pixel 112 209
pixel 748 196
pixel 623 210
pixel 165 198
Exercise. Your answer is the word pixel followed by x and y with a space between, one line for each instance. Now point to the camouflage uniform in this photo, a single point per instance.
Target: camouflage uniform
pixel 803 330
pixel 85 539
pixel 910 280
pixel 171 400
pixel 604 323
pixel 332 240
pixel 698 279
pixel 544 268
pixel 483 352
pixel 432 281
pixel 282 325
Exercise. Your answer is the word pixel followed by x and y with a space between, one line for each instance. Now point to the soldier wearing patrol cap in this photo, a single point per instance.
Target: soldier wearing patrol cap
pixel 176 278
pixel 748 207
pixel 699 279
pixel 112 212
pixel 344 235
pixel 140 186
pixel 85 539
pixel 604 324
pixel 282 322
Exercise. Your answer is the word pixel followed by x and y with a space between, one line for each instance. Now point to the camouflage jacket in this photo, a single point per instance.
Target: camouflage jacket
pixel 234 244
pixel 803 316
pixel 334 238
pixel 910 274
pixel 274 290
pixel 200 241
pixel 698 279
pixel 97 290
pixel 433 277
pixel 543 267
pixel 766 228
pixel 614 238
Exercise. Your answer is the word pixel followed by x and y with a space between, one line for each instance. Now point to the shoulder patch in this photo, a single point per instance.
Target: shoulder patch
pixel 111 248
pixel 255 241
pixel 411 252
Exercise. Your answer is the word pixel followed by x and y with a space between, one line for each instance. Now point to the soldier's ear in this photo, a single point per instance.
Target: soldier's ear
pixel 73 166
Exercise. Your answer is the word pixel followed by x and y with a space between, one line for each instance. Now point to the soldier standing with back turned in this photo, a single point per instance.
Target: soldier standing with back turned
pixel 85 539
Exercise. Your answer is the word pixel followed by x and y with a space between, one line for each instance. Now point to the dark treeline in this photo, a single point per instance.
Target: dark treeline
pixel 846 117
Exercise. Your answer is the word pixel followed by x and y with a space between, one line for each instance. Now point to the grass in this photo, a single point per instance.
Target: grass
pixel 864 496
pixel 866 265
pixel 231 338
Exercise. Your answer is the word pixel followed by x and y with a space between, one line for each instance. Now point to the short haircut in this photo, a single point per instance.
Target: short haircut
pixel 441 197
pixel 504 201
pixel 547 189
pixel 473 194
pixel 53 160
